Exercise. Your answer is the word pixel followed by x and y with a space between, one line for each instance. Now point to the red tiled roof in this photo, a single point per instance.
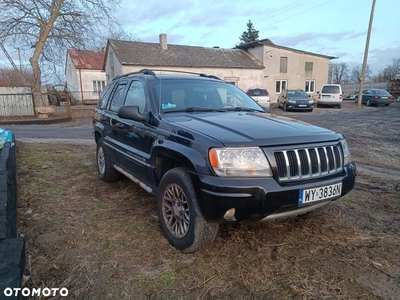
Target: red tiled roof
pixel 87 59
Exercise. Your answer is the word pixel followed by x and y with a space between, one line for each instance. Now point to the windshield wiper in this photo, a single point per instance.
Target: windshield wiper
pixel 203 109
pixel 238 108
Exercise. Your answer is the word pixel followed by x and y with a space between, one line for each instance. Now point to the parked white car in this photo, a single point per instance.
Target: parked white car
pixel 260 95
pixel 330 95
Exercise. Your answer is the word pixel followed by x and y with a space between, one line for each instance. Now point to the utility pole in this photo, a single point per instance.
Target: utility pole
pixel 364 67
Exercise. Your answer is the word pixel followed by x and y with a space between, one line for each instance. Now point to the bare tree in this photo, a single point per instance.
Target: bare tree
pixel 338 73
pixel 46 28
pixel 390 71
pixel 12 77
pixel 356 74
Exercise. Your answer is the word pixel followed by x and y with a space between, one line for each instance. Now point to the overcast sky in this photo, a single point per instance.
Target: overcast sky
pixel 330 27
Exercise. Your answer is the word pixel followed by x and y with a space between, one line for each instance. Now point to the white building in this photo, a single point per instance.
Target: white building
pixel 84 76
pixel 258 64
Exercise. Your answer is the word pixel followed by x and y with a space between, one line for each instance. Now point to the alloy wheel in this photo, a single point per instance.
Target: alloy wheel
pixel 175 211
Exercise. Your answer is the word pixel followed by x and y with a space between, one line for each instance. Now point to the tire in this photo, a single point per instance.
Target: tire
pixel 284 107
pixel 311 109
pixel 179 214
pixel 368 102
pixel 106 172
pixel 356 99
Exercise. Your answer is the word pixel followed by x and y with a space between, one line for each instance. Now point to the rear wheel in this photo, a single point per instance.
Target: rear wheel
pixel 181 220
pixel 356 99
pixel 106 171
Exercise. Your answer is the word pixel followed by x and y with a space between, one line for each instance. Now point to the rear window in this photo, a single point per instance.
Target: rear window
pixel 382 92
pixel 330 89
pixel 257 92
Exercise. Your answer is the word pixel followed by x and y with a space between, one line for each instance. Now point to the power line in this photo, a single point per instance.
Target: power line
pixel 272 14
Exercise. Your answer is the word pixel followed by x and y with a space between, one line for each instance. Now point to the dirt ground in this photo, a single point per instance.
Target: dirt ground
pixel 102 241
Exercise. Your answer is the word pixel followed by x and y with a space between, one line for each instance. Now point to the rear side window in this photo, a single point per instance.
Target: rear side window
pixel 331 89
pixel 103 99
pixel 257 92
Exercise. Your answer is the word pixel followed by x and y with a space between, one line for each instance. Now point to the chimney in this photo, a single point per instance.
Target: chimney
pixel 163 41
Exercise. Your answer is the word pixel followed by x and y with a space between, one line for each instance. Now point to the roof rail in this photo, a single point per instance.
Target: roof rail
pixel 186 72
pixel 143 71
pixel 151 72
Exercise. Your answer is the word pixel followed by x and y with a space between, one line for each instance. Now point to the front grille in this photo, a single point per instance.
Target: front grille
pixel 298 164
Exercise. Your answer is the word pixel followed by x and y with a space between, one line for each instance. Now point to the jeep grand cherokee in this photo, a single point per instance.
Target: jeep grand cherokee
pixel 210 154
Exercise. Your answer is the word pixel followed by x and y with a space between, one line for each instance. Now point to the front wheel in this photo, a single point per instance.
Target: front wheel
pixel 181 220
pixel 368 103
pixel 356 99
pixel 285 107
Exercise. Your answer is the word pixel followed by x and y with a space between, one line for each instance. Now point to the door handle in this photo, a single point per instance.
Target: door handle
pixel 120 125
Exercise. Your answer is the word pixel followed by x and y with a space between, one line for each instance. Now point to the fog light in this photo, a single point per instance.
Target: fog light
pixel 230 215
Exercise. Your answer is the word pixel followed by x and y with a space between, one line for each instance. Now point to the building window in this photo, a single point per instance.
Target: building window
pixel 309 66
pixel 280 86
pixel 283 65
pixel 310 86
pixel 98 86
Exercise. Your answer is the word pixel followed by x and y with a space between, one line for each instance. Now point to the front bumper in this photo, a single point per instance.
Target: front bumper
pixel 302 106
pixel 258 199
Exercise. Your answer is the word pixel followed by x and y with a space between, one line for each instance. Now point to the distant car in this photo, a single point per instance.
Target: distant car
pixel 352 96
pixel 376 97
pixel 295 100
pixel 330 95
pixel 261 96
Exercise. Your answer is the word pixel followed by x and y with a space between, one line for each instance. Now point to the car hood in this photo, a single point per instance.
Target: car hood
pixel 241 128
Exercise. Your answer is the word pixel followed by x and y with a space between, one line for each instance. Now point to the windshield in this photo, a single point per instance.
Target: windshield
pixel 194 95
pixel 295 94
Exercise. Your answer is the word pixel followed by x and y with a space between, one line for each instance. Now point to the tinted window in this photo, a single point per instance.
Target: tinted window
pixel 117 98
pixel 136 96
pixel 382 92
pixel 105 94
pixel 257 92
pixel 330 89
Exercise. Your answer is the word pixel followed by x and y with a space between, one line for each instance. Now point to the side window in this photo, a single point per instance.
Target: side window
pixel 117 98
pixel 104 96
pixel 136 96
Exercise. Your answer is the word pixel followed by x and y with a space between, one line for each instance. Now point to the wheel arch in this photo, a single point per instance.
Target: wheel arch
pixel 166 158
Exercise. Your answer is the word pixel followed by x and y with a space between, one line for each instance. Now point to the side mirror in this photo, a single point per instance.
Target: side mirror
pixel 131 112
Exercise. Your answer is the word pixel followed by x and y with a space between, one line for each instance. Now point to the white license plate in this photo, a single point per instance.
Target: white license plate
pixel 384 97
pixel 302 105
pixel 320 193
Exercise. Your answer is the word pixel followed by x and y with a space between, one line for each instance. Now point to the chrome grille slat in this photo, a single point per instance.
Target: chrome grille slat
pixel 311 162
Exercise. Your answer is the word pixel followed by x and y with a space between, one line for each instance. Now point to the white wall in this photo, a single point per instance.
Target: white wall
pixel 296 75
pixel 16 101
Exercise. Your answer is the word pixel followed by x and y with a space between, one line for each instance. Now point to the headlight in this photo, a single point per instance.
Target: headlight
pixel 292 101
pixel 239 162
pixel 310 102
pixel 346 152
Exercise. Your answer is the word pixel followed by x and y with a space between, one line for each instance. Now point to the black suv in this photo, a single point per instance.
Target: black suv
pixel 210 154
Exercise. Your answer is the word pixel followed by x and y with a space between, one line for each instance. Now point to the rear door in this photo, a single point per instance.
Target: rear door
pixel 110 117
pixel 331 93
